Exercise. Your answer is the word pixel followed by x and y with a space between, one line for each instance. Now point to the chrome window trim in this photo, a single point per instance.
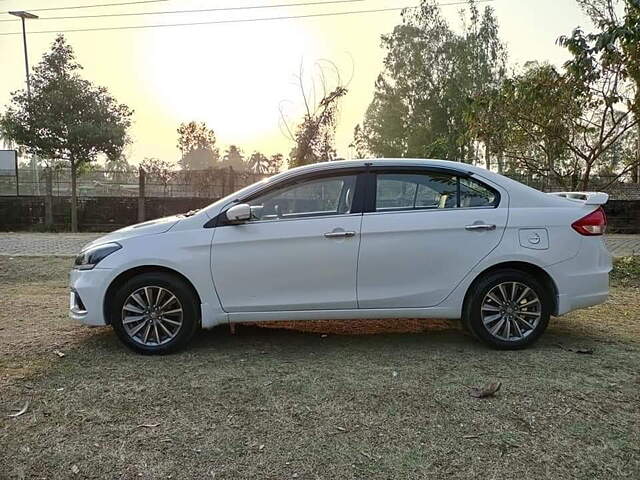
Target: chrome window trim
pixel 424 210
pixel 279 220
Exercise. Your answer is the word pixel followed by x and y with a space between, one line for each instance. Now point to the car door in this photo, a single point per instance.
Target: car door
pixel 298 252
pixel 422 232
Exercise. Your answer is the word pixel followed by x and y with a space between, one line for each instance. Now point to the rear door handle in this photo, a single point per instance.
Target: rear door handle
pixel 339 234
pixel 480 226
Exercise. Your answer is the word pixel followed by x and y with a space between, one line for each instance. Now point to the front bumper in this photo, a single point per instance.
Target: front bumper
pixel 86 298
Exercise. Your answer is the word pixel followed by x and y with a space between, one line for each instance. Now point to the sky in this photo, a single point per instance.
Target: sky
pixel 240 78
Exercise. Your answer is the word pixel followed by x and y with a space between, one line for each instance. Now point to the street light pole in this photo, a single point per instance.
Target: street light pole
pixel 26 59
pixel 23 16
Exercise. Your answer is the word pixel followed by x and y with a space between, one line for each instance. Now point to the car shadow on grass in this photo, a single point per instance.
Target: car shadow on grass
pixel 400 339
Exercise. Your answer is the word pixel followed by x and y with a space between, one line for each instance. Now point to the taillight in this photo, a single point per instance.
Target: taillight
pixel 593 224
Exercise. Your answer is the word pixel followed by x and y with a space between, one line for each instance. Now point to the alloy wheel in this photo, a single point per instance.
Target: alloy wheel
pixel 152 315
pixel 511 311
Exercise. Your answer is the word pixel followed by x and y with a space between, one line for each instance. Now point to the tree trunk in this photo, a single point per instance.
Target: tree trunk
pixel 500 161
pixel 74 204
pixel 48 199
pixel 635 172
pixel 586 177
pixel 487 156
pixel 141 194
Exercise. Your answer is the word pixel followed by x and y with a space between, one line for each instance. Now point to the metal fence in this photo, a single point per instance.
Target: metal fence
pixel 211 183
pixel 216 183
pixel 618 187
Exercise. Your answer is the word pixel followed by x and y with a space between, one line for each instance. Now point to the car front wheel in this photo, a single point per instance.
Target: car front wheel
pixel 155 313
pixel 507 309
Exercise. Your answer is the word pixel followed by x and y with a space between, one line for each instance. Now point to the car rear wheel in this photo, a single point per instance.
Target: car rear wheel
pixel 507 309
pixel 155 313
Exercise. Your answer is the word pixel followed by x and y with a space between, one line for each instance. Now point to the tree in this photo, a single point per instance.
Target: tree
pixel 529 118
pixel 258 163
pixel 488 123
pixel 276 162
pixel 430 75
pixel 264 165
pixel 314 136
pixel 158 170
pixel 197 144
pixel 565 125
pixel 359 143
pixel 233 158
pixel 118 165
pixel 118 170
pixel 67 118
pixel 617 43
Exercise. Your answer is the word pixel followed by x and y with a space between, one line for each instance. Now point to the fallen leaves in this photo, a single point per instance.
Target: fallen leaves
pixel 148 425
pixel 582 351
pixel 488 390
pixel 22 411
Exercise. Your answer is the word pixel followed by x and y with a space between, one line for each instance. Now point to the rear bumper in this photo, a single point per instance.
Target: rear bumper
pixel 583 281
pixel 87 295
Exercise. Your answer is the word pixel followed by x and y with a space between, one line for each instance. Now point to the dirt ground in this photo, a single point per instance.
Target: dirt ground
pixel 315 399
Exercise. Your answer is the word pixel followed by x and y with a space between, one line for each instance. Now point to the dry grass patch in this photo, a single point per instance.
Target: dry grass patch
pixel 283 403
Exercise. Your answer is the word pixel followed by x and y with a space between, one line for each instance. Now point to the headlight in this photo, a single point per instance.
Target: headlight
pixel 91 257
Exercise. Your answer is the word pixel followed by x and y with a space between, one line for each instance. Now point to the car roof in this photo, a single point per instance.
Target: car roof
pixel 385 162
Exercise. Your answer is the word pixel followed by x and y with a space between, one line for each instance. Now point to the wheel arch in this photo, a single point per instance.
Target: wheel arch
pixel 538 272
pixel 132 272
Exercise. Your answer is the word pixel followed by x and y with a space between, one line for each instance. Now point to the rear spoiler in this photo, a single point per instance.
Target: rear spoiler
pixel 588 198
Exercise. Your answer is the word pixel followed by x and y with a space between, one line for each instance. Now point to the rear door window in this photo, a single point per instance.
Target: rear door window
pixel 430 190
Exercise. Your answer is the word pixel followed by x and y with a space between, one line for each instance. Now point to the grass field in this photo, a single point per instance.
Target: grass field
pixel 315 400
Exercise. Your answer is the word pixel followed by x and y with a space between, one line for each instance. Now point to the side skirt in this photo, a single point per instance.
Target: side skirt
pixel 432 312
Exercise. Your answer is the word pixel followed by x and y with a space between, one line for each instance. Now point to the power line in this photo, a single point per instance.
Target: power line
pixel 218 9
pixel 242 20
pixel 77 7
pixel 213 22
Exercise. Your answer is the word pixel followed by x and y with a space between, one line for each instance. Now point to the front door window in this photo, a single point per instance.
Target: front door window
pixel 311 198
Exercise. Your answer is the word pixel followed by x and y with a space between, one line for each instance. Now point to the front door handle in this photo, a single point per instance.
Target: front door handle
pixel 480 226
pixel 339 234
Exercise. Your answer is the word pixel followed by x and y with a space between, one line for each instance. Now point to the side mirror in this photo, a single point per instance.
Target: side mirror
pixel 239 213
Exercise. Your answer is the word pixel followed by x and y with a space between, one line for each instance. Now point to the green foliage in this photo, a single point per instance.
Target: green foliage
pixel 67 117
pixel 197 144
pixel 118 168
pixel 233 158
pixel 159 170
pixel 615 46
pixel 626 271
pixel 557 123
pixel 314 136
pixel 359 144
pixel 258 162
pixel 431 73
pixel 276 163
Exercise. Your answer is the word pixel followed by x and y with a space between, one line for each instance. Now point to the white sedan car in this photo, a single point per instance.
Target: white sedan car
pixel 353 239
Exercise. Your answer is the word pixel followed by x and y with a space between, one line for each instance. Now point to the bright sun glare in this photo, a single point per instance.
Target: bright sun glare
pixel 232 78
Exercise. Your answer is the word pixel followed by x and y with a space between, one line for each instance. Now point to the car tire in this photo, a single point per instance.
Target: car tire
pixel 507 309
pixel 155 313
